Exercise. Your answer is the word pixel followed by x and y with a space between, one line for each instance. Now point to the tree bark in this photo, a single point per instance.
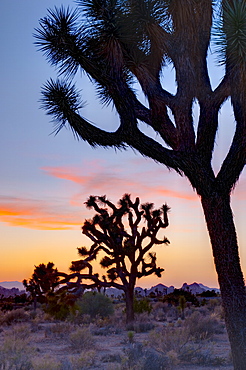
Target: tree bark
pixel 129 293
pixel 220 224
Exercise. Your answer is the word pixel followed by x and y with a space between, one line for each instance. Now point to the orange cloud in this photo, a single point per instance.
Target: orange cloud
pixel 36 214
pixel 107 181
pixel 65 174
pixel 96 180
pixel 93 183
pixel 176 194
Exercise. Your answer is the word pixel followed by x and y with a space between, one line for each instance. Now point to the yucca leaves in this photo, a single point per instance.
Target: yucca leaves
pixel 58 99
pixel 59 38
pixel 230 34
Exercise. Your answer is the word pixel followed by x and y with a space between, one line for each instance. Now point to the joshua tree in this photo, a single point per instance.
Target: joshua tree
pixel 44 280
pixel 119 41
pixel 115 231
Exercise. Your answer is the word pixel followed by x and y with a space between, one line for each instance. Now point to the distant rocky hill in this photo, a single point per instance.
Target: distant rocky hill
pixel 12 288
pixel 5 292
pixel 196 288
pixel 161 289
pixel 12 284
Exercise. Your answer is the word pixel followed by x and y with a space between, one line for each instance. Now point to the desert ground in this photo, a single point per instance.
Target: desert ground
pixel 157 340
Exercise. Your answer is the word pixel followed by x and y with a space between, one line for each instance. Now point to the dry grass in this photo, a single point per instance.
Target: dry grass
pixel 198 342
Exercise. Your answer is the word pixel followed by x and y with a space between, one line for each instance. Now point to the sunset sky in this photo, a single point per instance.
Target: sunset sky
pixel 45 179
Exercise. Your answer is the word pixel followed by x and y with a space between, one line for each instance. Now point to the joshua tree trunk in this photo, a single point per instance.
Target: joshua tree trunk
pixel 223 238
pixel 129 304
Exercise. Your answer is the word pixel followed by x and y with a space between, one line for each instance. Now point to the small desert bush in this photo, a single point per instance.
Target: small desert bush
pixel 141 324
pixel 46 363
pixel 159 311
pixel 81 339
pixel 117 321
pixel 37 315
pixel 13 317
pixel 57 306
pixel 16 352
pixel 59 330
pixel 187 342
pixel 202 327
pixel 169 338
pixel 138 357
pixel 142 305
pixel 85 360
pixel 172 314
pixel 95 305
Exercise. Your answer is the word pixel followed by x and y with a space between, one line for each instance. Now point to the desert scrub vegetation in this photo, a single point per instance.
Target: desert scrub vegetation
pixel 95 305
pixel 13 317
pixel 188 341
pixel 81 339
pixel 140 357
pixel 141 324
pixel 203 327
pixel 15 350
pixel 84 360
pixel 158 340
pixel 59 330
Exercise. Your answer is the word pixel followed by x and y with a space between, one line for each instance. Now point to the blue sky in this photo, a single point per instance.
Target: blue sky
pixel 45 179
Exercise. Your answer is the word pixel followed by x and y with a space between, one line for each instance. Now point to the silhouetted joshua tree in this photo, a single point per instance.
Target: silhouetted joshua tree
pixel 119 233
pixel 44 280
pixel 119 42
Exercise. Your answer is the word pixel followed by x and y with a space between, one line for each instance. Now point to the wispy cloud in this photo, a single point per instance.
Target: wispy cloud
pixel 176 194
pixel 107 181
pixel 36 214
pixel 97 179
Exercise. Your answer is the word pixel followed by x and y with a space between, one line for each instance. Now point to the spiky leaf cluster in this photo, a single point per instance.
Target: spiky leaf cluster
pixel 59 38
pixel 230 33
pixel 59 98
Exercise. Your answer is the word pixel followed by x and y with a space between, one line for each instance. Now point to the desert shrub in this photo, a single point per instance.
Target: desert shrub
pixel 15 352
pixel 159 311
pixel 172 313
pixel 81 339
pixel 138 357
pixel 143 327
pixel 46 363
pixel 173 298
pixel 104 330
pixel 169 338
pixel 57 306
pixel 85 360
pixel 14 316
pixel 58 330
pixel 203 327
pixel 95 304
pixel 20 331
pixel 141 324
pixel 114 366
pixel 179 345
pixel 142 305
pixel 209 293
pixel 111 358
pixel 117 320
pixel 215 306
pixel 175 344
pixel 130 336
